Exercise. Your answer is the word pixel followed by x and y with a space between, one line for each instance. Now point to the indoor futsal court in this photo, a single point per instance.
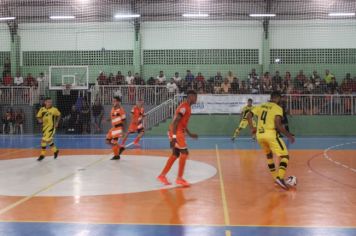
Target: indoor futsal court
pixel 177 118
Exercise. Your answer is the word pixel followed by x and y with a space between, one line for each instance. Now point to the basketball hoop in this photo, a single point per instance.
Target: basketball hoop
pixel 66 89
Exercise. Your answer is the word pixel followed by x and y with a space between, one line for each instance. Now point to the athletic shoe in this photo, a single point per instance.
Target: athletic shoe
pixel 41 158
pixel 182 182
pixel 281 183
pixel 55 155
pixel 115 158
pixel 121 150
pixel 163 179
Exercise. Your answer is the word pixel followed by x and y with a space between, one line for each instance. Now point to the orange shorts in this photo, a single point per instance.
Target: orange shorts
pixel 181 143
pixel 133 128
pixel 114 133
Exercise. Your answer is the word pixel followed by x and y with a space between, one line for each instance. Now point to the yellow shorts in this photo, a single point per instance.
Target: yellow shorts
pixel 244 123
pixel 47 135
pixel 270 142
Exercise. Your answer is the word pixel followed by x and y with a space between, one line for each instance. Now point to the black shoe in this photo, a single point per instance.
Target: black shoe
pixel 55 155
pixel 41 158
pixel 121 150
pixel 281 183
pixel 115 158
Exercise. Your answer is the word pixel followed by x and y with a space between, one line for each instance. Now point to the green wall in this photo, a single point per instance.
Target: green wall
pixel 300 125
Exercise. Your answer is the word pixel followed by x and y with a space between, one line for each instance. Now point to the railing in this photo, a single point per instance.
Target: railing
pixel 161 113
pixel 18 95
pixel 322 104
pixel 152 95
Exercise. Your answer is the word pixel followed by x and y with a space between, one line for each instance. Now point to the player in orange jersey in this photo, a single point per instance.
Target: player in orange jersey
pixel 118 121
pixel 177 130
pixel 136 125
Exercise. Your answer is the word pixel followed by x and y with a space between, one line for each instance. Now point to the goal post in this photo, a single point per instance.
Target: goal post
pixel 75 76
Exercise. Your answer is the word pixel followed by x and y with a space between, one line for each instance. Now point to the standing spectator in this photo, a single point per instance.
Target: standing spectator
pixel 200 77
pixel 19 121
pixel 73 121
pixel 315 77
pixel 98 113
pixel 151 81
pixel 328 77
pixel 7 67
pixel 277 82
pixel 7 122
pixel 85 118
pixel 8 80
pixel 308 87
pixel 266 83
pixel 189 78
pixel 235 86
pixel 18 80
pixel 102 79
pixel 253 77
pixel 161 78
pixel 119 79
pixel 171 88
pixel 30 81
pixel 346 86
pixel 177 78
pixel 129 78
pixel 42 82
pixel 138 80
pixel 226 87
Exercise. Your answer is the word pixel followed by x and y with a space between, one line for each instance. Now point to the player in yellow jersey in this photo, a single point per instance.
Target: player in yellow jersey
pixel 49 117
pixel 269 123
pixel 243 120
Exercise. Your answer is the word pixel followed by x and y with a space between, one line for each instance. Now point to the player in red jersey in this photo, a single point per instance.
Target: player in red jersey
pixel 177 130
pixel 136 125
pixel 118 121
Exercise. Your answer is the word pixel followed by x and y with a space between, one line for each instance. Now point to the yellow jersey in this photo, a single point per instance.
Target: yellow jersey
pixel 49 117
pixel 245 110
pixel 266 114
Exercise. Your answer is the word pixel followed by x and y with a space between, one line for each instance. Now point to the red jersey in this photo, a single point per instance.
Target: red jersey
pixel 137 114
pixel 118 116
pixel 8 80
pixel 185 110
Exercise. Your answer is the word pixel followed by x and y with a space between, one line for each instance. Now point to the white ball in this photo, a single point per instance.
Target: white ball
pixel 291 181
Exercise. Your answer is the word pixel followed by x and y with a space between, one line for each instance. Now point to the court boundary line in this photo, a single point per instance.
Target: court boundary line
pixel 222 190
pixel 326 156
pixel 169 224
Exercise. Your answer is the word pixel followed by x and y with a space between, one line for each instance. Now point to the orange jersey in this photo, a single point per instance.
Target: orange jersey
pixel 118 116
pixel 185 110
pixel 137 114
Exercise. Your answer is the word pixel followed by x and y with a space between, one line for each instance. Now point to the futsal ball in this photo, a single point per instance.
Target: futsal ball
pixel 291 181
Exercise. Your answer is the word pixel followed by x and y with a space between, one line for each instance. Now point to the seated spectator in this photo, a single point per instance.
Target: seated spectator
pixel 102 79
pixel 333 86
pixel 8 80
pixel 161 78
pixel 266 83
pixel 200 87
pixel 277 82
pixel 189 78
pixel 176 77
pixel 129 78
pixel 235 86
pixel 308 87
pixel 172 87
pixel 244 88
pixel 18 80
pixel 200 78
pixel 19 121
pixel 138 80
pixel 226 87
pixel 300 79
pixel 30 81
pixel 315 77
pixel 346 85
pixel 111 79
pixel 217 87
pixel 182 86
pixel 230 76
pixel 151 81
pixel 98 113
pixel 328 77
pixel 253 77
pixel 119 79
pixel 218 78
